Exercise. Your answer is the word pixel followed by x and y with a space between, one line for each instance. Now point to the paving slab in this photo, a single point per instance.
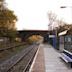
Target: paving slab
pixel 48 60
pixel 38 63
pixel 53 63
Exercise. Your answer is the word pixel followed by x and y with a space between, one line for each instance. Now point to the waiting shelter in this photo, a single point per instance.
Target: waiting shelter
pixel 65 45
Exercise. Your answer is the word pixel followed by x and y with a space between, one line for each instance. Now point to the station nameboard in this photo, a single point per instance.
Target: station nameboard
pixel 51 36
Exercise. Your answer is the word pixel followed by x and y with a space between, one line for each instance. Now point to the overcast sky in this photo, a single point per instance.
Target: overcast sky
pixel 32 14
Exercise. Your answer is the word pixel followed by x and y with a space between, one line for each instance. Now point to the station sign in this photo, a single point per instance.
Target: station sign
pixel 51 36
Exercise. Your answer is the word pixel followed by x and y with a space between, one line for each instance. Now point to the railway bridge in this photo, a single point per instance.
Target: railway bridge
pixel 24 34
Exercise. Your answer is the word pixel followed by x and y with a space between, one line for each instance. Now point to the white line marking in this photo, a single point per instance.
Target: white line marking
pixel 30 70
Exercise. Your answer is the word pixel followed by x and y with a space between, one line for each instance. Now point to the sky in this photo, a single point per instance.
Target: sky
pixel 33 14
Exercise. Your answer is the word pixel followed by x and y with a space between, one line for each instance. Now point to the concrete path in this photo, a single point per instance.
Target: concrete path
pixel 53 63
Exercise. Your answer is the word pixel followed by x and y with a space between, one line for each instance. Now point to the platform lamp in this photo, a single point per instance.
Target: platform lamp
pixel 63 7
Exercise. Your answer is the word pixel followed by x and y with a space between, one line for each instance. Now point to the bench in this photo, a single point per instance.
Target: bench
pixel 66 58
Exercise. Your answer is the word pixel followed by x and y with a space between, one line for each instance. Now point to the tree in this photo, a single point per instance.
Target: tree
pixel 52 18
pixel 7 21
pixel 35 39
pixel 65 27
pixel 54 21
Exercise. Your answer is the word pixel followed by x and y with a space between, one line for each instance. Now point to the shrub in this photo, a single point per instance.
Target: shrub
pixel 34 39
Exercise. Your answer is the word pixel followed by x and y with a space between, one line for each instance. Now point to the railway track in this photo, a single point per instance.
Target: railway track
pixel 6 53
pixel 20 60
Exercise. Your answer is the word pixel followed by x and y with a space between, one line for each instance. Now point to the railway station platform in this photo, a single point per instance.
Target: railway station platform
pixel 48 59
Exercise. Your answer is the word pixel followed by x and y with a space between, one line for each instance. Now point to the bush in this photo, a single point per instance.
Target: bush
pixel 18 39
pixel 35 39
